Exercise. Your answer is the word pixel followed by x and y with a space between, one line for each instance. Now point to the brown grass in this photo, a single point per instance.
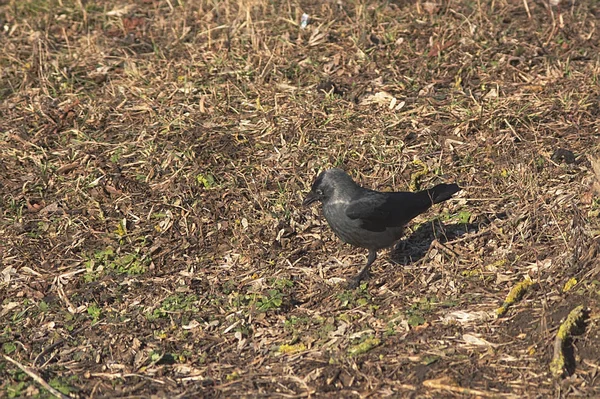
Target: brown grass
pixel 154 156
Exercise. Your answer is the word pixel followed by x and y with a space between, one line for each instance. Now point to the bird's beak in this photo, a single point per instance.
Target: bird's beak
pixel 310 198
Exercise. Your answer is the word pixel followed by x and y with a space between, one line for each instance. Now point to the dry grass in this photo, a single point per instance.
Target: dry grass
pixel 153 160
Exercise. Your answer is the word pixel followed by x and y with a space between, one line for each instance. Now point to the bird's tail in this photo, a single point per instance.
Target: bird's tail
pixel 441 192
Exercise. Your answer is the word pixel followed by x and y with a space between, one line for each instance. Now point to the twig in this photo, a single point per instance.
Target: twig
pixel 443 248
pixel 447 384
pixel 527 8
pixel 125 375
pixel 59 342
pixel 36 378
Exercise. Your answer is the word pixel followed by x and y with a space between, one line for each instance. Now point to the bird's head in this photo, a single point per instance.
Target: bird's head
pixel 329 184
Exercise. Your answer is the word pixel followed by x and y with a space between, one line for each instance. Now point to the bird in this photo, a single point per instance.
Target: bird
pixel 367 218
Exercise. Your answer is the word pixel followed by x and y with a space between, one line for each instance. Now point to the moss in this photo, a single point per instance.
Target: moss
pixel 415 178
pixel 364 346
pixel 292 349
pixel 514 295
pixel 569 325
pixel 566 329
pixel 569 284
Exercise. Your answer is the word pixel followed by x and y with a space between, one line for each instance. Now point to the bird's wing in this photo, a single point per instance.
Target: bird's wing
pixel 378 211
pixel 373 209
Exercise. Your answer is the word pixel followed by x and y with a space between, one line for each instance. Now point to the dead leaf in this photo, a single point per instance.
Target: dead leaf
pixel 461 316
pixel 474 340
pixel 52 208
pixel 34 207
pixel 596 169
pixel 493 93
pixel 431 7
pixel 192 325
pixel 316 38
pixel 113 190
pixel 120 11
pixel 438 47
pixel 67 168
pixel 382 98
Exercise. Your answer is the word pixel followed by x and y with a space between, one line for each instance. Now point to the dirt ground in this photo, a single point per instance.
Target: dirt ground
pixel 154 156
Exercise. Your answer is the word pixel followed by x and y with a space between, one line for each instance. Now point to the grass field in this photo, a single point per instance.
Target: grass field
pixel 154 156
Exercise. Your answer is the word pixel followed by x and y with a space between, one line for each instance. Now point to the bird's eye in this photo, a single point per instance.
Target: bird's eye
pixel 319 191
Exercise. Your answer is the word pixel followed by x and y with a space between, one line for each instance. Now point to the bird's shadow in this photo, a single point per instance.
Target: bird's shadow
pixel 415 247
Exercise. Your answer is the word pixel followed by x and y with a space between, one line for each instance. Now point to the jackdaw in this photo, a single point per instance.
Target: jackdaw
pixel 366 218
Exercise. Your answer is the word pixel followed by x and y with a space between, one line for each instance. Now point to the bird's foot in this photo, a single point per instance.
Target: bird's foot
pixel 352 284
pixel 355 282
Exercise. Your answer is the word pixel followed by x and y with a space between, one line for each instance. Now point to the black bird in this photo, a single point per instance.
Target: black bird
pixel 370 219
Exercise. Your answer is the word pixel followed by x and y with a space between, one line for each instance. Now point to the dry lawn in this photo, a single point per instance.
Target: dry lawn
pixel 154 155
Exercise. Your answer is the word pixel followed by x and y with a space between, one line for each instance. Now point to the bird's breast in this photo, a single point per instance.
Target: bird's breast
pixel 351 231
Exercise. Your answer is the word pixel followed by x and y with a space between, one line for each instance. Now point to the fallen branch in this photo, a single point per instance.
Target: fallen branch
pixel 558 366
pixel 515 295
pixel 445 383
pixel 36 378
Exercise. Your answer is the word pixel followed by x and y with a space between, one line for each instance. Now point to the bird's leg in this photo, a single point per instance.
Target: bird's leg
pixel 364 273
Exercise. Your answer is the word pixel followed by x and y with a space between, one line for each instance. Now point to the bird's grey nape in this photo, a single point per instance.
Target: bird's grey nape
pixel 334 178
